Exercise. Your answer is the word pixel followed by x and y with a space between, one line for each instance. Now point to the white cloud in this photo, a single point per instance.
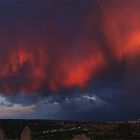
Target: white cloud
pixel 4 101
pixel 89 97
pixel 16 110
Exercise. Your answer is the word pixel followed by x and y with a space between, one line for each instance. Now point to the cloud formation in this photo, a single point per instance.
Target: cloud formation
pixel 66 57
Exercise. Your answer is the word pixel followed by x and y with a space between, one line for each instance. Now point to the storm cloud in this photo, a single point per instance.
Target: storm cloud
pixel 58 58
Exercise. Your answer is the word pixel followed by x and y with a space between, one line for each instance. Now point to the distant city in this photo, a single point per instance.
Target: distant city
pixel 68 130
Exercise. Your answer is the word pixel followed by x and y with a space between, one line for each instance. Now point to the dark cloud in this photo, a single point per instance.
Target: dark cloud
pixel 66 60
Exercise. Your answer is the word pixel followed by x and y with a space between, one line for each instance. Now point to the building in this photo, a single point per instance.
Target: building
pixel 2 137
pixel 81 137
pixel 26 134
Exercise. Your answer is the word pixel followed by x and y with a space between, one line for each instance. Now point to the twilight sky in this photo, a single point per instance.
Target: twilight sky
pixel 73 60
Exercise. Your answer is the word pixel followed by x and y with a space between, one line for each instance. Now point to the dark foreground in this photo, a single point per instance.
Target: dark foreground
pixel 68 130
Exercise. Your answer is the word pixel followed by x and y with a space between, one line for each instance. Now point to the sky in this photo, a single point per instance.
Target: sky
pixel 70 60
